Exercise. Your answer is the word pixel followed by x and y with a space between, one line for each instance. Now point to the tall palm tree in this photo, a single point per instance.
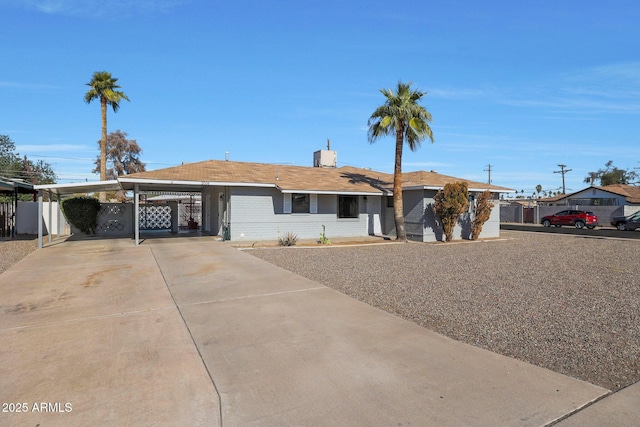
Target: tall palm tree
pixel 402 116
pixel 104 87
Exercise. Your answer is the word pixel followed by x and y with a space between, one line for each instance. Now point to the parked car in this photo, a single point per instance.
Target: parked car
pixel 630 222
pixel 579 219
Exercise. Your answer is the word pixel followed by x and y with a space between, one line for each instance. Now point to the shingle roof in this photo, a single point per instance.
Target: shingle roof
pixel 630 192
pixel 301 178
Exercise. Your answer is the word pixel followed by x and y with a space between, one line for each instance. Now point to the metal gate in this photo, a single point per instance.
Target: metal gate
pixel 7 217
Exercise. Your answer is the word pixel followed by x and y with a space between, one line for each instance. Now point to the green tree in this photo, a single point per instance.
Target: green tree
pixel 611 175
pixel 15 167
pixel 8 157
pixel 103 87
pixel 402 116
pixel 451 202
pixel 39 172
pixel 538 189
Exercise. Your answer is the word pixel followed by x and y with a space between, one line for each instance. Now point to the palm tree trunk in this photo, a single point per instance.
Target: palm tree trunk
pixel 398 209
pixel 103 147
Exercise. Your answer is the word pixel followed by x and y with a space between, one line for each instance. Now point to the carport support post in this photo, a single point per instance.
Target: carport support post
pixel 50 215
pixel 136 213
pixel 39 219
pixel 60 227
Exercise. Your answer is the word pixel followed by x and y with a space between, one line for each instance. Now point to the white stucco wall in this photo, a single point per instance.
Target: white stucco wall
pixel 27 219
pixel 258 214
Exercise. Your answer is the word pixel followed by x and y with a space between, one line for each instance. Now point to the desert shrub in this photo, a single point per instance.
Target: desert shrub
pixel 323 237
pixel 82 213
pixel 289 240
pixel 482 212
pixel 451 202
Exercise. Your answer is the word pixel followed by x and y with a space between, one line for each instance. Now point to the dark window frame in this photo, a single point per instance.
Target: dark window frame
pixel 389 201
pixel 350 211
pixel 300 203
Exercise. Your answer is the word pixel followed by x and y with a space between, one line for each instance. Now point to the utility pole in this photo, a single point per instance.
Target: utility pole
pixel 488 169
pixel 563 171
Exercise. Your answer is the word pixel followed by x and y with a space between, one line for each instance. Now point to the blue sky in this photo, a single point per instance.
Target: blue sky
pixel 521 86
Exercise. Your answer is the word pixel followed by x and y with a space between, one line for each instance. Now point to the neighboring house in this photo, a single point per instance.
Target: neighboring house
pixel 606 202
pixel 257 201
pixel 608 195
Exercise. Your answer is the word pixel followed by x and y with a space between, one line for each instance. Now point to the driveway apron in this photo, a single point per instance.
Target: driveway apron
pixel 285 350
pixel 90 336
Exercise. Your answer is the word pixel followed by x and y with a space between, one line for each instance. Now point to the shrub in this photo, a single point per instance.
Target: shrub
pixel 82 213
pixel 323 237
pixel 451 202
pixel 289 240
pixel 482 212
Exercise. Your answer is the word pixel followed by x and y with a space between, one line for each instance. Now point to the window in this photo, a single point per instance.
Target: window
pixel 389 201
pixel 347 206
pixel 300 203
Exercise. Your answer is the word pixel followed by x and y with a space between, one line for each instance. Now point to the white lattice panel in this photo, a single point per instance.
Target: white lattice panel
pixel 155 217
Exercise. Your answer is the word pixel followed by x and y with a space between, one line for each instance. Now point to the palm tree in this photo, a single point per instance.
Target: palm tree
pixel 402 116
pixel 104 87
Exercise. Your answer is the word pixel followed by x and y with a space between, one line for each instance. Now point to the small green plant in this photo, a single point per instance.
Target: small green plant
pixel 323 237
pixel 82 213
pixel 289 240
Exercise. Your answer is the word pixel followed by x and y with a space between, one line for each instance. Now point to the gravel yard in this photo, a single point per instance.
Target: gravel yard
pixel 570 304
pixel 12 251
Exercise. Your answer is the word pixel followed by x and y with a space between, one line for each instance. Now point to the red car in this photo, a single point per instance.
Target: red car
pixel 578 219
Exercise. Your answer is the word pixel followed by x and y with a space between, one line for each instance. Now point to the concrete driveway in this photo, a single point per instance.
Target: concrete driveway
pixel 190 331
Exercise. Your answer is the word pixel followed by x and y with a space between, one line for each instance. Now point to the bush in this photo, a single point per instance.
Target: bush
pixel 323 237
pixel 482 212
pixel 82 213
pixel 289 240
pixel 451 202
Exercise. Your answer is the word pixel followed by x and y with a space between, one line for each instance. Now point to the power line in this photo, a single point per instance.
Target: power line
pixel 563 171
pixel 488 169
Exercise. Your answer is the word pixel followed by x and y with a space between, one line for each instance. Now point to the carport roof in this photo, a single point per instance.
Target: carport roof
pixel 80 187
pixel 10 185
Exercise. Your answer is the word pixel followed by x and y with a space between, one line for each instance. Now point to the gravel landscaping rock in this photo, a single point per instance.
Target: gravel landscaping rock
pixel 566 303
pixel 12 251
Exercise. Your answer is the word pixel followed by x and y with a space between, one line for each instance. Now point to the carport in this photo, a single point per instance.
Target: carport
pixel 8 211
pixel 60 190
pixel 138 186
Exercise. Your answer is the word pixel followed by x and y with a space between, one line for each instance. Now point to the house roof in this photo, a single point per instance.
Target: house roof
pixel 630 192
pixel 290 179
